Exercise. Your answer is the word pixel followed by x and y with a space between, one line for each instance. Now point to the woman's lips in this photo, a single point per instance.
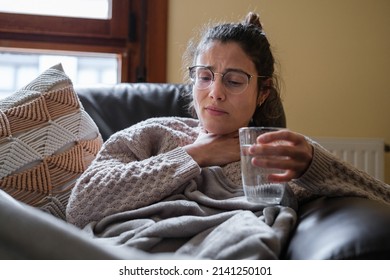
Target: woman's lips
pixel 215 111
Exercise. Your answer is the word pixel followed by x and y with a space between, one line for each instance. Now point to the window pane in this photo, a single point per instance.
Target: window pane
pixel 98 9
pixel 18 69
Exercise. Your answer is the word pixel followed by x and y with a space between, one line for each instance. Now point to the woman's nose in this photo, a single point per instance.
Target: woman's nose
pixel 217 89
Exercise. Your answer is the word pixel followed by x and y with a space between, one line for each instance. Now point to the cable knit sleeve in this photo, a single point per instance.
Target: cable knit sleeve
pixel 329 176
pixel 135 167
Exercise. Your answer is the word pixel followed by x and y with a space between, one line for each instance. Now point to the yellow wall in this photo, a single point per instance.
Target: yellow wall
pixel 334 57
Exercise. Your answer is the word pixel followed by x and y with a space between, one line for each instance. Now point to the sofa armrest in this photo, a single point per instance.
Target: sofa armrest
pixel 341 228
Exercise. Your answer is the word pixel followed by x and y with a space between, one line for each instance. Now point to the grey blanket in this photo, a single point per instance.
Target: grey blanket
pixel 214 223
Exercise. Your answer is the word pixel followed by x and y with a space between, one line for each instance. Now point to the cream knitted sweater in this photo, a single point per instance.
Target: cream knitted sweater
pixel 146 163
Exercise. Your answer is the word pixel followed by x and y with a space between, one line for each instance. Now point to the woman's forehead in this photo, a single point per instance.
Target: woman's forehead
pixel 224 56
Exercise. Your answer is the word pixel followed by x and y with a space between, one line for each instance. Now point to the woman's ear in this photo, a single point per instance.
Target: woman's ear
pixel 264 91
pixel 263 96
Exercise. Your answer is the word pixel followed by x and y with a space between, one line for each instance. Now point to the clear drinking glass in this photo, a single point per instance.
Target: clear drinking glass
pixel 257 187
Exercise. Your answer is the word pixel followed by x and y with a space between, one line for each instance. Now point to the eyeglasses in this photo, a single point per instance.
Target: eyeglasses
pixel 235 81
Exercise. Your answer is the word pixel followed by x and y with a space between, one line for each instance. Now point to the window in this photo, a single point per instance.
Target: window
pixel 17 69
pixel 99 9
pixel 122 40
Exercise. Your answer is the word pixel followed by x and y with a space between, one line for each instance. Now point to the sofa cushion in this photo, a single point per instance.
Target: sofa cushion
pixel 46 141
pixel 115 107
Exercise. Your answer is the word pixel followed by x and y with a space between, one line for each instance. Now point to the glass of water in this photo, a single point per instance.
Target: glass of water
pixel 257 187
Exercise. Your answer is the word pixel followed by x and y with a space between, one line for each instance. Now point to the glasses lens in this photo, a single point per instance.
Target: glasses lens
pixel 201 76
pixel 235 81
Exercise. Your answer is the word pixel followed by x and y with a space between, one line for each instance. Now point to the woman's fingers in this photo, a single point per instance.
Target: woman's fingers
pixel 284 150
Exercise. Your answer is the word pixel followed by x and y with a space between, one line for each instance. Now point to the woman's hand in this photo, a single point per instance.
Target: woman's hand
pixel 284 150
pixel 214 150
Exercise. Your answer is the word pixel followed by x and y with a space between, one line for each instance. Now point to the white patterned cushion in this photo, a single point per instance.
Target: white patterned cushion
pixel 46 141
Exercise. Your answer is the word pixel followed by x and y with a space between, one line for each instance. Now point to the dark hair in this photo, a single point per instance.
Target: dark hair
pixel 250 36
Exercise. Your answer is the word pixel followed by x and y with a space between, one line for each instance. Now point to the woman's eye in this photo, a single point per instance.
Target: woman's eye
pixel 234 83
pixel 234 80
pixel 204 78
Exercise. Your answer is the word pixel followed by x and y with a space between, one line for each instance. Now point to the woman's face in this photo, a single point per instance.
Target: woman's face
pixel 219 111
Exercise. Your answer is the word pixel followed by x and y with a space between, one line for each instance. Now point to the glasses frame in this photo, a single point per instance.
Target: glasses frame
pixel 191 68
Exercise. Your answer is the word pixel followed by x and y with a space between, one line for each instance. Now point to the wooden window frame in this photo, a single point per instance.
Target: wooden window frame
pixel 137 33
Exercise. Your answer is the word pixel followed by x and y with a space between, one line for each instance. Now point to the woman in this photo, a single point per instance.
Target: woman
pixel 177 159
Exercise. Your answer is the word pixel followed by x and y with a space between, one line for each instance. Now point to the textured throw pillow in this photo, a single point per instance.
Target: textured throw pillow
pixel 46 141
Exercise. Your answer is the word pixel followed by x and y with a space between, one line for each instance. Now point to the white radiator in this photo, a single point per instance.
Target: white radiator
pixel 364 153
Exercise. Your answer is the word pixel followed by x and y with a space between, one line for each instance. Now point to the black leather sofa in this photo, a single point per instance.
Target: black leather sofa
pixel 328 228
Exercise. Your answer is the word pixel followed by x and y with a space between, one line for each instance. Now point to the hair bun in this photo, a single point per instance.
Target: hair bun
pixel 253 19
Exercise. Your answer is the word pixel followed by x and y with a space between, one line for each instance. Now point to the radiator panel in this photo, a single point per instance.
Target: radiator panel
pixel 364 153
